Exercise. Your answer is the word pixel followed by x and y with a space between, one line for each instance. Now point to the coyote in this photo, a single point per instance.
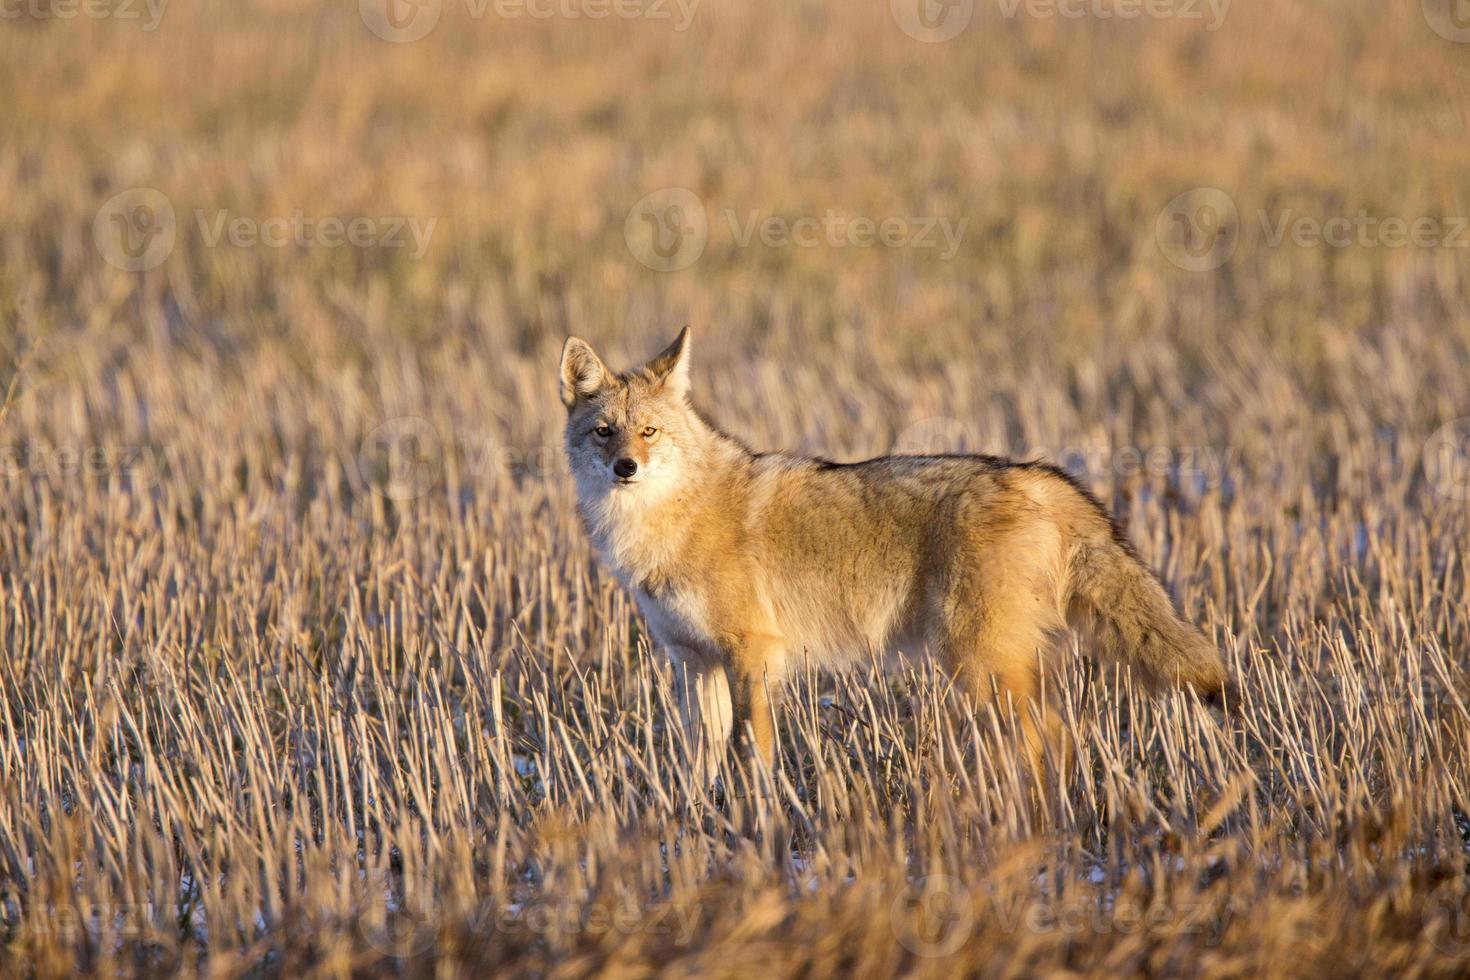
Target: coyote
pixel 744 563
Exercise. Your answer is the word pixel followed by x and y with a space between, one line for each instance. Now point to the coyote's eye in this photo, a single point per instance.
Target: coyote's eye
pixel 603 431
pixel 649 432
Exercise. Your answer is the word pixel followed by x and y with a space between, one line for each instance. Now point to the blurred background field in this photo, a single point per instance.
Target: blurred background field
pixel 308 666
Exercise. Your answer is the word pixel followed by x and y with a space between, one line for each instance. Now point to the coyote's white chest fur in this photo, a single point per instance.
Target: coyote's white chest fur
pixel 645 555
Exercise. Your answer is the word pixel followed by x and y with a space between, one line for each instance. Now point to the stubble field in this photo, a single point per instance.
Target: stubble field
pixel 308 667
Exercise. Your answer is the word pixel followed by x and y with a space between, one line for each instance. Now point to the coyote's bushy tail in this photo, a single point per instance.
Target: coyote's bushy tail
pixel 1132 620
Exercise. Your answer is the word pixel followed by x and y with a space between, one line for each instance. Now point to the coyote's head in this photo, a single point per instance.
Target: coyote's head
pixel 629 433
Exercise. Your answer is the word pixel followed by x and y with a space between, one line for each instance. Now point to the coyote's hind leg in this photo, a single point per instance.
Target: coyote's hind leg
pixel 998 640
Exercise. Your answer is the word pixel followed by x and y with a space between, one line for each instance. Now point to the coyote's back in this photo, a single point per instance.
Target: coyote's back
pixel 988 559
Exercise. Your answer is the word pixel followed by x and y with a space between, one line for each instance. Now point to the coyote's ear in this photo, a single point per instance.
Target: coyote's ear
pixel 672 366
pixel 582 371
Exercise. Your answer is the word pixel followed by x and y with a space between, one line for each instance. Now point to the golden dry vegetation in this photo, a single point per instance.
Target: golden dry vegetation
pixel 308 668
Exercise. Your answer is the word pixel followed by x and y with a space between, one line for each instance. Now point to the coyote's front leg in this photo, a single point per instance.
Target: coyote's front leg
pixel 703 693
pixel 754 664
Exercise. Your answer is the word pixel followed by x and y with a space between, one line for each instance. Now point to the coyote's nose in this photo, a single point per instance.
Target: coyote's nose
pixel 625 467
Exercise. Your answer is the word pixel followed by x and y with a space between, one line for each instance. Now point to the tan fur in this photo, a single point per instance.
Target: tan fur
pixel 744 563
